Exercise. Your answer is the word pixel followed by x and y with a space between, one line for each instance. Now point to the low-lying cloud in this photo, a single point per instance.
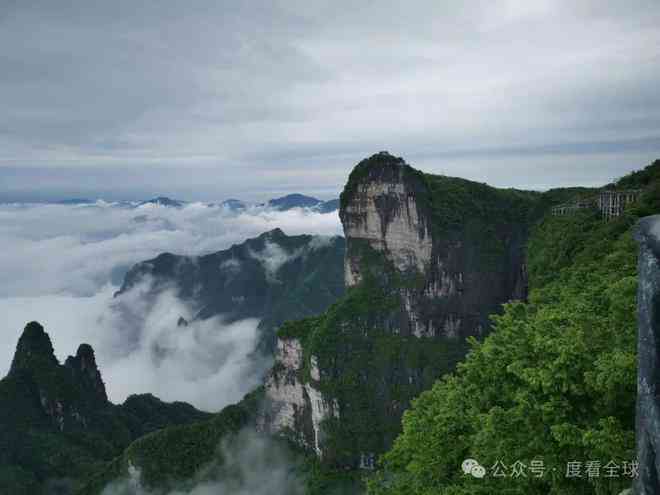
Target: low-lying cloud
pixel 62 265
pixel 253 465
pixel 273 256
pixel 61 249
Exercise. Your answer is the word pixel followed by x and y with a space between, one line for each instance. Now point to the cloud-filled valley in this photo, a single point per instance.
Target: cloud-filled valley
pixel 63 263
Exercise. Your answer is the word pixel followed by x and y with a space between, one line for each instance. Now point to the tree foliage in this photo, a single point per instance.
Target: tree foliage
pixel 553 383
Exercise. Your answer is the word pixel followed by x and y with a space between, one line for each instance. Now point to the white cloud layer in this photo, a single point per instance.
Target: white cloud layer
pixel 62 264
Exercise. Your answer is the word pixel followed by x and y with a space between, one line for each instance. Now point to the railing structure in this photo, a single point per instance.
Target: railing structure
pixel 611 203
pixel 570 208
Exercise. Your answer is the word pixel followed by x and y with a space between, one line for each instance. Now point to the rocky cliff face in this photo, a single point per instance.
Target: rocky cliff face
pixel 294 406
pixel 464 271
pixel 428 259
pixel 382 209
pixel 648 351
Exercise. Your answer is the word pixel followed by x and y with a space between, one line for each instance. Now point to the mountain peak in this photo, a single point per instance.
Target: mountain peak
pixel 233 204
pixel 85 355
pixel 163 201
pixel 34 349
pixel 273 234
pixel 379 168
pixel 295 200
pixel 86 371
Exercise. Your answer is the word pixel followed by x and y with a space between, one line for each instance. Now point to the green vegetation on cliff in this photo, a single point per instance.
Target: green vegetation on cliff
pixel 237 283
pixel 366 367
pixel 554 383
pixel 178 453
pixel 367 346
pixel 56 424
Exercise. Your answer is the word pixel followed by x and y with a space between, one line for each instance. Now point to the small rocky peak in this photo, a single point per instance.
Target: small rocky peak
pixel 381 167
pixel 385 204
pixel 182 322
pixel 273 235
pixel 85 370
pixel 383 159
pixel 34 350
pixel 384 171
pixel 86 358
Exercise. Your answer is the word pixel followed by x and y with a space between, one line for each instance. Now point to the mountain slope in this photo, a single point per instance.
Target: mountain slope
pixel 554 382
pixel 273 277
pixel 428 259
pixel 56 423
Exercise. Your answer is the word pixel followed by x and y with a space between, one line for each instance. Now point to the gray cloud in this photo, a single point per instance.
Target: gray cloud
pixel 211 98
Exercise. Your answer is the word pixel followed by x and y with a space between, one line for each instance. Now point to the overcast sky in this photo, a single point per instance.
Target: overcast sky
pixel 211 99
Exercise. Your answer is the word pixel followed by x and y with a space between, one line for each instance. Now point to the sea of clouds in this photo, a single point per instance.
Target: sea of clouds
pixel 61 265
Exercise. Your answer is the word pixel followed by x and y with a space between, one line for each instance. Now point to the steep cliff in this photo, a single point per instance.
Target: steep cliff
pixel 555 381
pixel 648 371
pixel 428 259
pixel 459 244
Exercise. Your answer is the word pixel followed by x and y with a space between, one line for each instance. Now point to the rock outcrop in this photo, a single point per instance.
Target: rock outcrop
pixel 84 369
pixel 69 395
pixel 34 350
pixel 428 260
pixel 463 271
pixel 293 405
pixel 56 420
pixel 648 351
pixel 383 209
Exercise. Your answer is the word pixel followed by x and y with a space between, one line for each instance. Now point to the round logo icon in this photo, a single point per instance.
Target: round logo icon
pixel 472 467
pixel 468 465
pixel 478 472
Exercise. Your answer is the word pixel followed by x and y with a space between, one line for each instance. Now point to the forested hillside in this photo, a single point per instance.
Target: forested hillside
pixel 554 383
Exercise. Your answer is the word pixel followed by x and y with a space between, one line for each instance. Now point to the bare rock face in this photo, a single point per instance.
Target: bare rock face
pixel 293 406
pixel 464 271
pixel 648 351
pixel 428 259
pixel 383 211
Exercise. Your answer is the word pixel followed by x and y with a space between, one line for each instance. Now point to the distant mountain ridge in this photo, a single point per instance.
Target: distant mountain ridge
pixel 283 203
pixel 75 201
pixel 273 277
pixel 163 201
pixel 296 200
pixel 234 204
pixel 293 201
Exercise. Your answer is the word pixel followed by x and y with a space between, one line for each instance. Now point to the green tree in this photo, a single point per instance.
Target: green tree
pixel 553 383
